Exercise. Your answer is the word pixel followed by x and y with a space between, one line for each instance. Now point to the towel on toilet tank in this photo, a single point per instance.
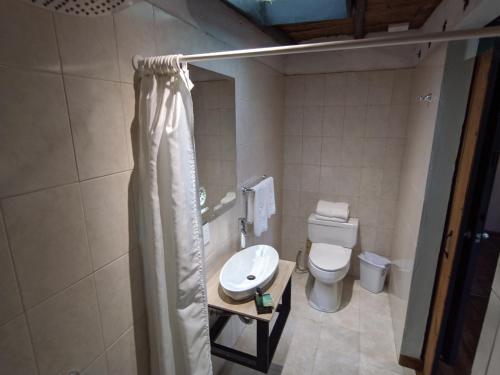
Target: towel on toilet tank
pixel 263 204
pixel 337 210
pixel 328 218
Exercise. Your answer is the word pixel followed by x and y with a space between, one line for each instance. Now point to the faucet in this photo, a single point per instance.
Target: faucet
pixel 243 232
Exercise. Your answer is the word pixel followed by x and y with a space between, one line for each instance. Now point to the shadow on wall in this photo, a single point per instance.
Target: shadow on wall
pixel 136 271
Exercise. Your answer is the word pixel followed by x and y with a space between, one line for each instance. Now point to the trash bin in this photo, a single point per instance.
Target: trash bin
pixel 373 269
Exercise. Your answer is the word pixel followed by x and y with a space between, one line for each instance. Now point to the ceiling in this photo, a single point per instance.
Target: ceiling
pixel 364 16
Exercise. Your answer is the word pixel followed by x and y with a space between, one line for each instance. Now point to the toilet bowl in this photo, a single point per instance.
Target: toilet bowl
pixel 328 265
pixel 329 260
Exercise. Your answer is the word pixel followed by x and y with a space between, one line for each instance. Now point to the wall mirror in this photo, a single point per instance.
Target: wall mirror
pixel 215 140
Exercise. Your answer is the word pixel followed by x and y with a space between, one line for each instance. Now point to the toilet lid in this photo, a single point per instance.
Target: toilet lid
pixel 329 257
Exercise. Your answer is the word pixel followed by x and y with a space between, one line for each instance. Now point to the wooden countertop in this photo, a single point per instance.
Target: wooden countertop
pixel 218 300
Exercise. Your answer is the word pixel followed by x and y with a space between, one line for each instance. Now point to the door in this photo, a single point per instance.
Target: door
pixel 465 276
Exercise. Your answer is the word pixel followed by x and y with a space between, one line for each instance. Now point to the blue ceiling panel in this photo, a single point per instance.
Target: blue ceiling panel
pixel 281 12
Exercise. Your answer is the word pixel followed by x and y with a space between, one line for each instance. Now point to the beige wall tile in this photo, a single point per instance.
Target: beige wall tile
pixel 354 122
pixel 357 88
pixel 95 110
pixel 80 54
pixel 335 89
pixel 371 182
pixel 333 121
pixel 331 151
pixel 134 28
pixel 291 203
pixel 291 176
pixel 98 367
pixel 116 300
pixel 294 91
pixel 108 212
pixel 49 245
pixel 377 121
pixel 35 138
pixel 294 117
pixel 401 90
pixel 398 121
pixel 129 355
pixel 66 331
pixel 313 121
pixel 352 152
pixel 9 293
pixel 292 148
pixel 16 352
pixel 380 89
pixel 314 90
pixel 27 37
pixel 329 179
pixel 374 152
pixel 309 178
pixel 311 150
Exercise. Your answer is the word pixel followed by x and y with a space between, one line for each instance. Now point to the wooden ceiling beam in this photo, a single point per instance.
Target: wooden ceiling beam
pixel 359 19
pixel 378 15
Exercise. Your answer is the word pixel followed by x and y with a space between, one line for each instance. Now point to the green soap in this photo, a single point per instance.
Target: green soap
pixel 267 300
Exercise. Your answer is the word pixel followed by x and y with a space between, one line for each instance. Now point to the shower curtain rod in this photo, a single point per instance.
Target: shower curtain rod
pixel 385 41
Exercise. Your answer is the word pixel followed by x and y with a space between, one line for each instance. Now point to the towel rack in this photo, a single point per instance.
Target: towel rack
pixel 248 189
pixel 245 189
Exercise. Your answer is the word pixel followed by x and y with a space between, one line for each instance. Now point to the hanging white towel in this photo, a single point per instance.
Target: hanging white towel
pixel 338 210
pixel 329 218
pixel 264 205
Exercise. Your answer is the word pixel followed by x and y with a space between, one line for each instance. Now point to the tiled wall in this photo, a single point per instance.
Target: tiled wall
pixel 344 138
pixel 421 124
pixel 70 273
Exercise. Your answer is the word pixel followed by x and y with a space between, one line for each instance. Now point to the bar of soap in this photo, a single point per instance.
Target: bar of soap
pixel 267 300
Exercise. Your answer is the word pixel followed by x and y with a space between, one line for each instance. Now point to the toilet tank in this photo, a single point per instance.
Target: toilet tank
pixel 341 234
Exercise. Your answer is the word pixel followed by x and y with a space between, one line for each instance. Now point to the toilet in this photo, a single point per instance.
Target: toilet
pixel 329 260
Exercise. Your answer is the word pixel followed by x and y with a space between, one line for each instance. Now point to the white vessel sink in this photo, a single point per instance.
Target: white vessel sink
pixel 247 270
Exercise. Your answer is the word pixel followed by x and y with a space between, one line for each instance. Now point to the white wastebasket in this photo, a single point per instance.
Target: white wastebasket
pixel 373 270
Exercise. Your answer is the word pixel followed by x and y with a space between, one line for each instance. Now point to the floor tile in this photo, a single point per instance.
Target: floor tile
pixel 356 340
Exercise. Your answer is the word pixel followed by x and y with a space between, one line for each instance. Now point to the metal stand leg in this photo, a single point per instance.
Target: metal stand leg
pixel 262 345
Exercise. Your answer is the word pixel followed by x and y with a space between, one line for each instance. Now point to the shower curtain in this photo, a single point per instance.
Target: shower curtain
pixel 169 225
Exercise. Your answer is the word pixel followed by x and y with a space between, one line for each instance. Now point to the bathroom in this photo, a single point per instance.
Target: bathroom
pixel 357 126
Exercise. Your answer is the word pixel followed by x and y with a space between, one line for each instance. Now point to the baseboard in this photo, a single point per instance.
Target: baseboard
pixel 411 362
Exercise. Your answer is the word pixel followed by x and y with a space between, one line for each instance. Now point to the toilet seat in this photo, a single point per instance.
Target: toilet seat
pixel 329 257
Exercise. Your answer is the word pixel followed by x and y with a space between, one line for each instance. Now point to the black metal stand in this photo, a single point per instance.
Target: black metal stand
pixel 266 344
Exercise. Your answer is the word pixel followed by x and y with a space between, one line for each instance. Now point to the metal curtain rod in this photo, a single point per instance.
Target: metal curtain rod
pixel 385 41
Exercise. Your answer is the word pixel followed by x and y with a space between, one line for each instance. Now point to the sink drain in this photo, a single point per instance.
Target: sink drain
pixel 251 277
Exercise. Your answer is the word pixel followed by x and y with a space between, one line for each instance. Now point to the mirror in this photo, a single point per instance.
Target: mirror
pixel 215 140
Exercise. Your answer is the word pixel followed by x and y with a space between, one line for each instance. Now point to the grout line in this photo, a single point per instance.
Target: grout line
pixel 39 190
pixel 59 73
pixel 66 95
pixel 99 310
pixel 24 310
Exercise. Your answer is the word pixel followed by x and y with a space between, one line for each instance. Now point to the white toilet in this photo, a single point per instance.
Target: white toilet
pixel 329 260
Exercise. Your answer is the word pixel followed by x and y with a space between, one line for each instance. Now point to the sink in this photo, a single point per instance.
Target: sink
pixel 247 270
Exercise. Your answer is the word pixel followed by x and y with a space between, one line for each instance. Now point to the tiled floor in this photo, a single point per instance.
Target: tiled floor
pixel 358 339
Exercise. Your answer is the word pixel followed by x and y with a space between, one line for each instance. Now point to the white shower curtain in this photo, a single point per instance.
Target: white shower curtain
pixel 169 225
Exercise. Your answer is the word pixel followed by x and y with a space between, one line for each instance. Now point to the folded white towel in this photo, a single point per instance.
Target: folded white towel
pixel 333 209
pixel 329 218
pixel 264 205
